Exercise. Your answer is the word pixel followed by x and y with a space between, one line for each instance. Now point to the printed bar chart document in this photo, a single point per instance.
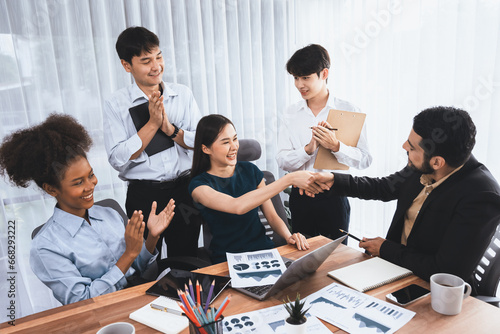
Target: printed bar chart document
pixel 356 312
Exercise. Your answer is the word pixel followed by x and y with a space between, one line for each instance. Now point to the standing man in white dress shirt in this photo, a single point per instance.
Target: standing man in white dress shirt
pixel 149 130
pixel 304 128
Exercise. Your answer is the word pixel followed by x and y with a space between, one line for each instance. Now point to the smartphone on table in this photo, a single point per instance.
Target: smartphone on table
pixel 407 295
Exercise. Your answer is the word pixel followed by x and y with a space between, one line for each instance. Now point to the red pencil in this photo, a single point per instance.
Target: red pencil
pixel 222 307
pixel 192 318
pixel 197 292
pixel 183 296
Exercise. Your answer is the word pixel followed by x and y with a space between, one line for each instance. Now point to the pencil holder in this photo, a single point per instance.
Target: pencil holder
pixel 210 328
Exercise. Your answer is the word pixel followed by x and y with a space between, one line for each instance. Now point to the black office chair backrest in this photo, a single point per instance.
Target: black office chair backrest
pixel 108 202
pixel 111 203
pixel 250 150
pixel 487 273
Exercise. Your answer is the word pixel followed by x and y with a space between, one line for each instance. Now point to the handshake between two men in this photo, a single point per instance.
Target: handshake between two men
pixel 323 181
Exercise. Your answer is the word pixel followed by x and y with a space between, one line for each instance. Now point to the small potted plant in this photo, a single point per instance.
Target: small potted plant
pixel 296 322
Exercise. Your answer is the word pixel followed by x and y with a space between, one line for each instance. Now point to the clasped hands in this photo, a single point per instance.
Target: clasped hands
pixel 314 183
pixel 323 135
pixel 157 114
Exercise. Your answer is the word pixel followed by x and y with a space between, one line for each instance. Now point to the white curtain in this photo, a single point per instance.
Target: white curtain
pixel 396 58
pixel 390 58
pixel 59 56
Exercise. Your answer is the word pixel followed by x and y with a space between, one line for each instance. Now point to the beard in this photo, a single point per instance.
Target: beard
pixel 424 169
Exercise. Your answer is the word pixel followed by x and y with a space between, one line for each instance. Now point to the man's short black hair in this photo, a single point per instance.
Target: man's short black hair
pixel 447 132
pixel 311 59
pixel 133 41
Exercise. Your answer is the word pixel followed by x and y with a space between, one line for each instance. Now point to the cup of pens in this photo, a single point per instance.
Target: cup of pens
pixel 209 328
pixel 202 319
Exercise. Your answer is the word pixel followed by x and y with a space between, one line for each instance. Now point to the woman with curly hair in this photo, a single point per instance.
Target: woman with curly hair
pixel 83 250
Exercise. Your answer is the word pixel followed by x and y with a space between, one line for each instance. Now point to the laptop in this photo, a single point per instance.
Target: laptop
pixel 296 271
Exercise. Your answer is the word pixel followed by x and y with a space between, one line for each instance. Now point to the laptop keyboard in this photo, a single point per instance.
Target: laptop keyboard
pixel 263 289
pixel 259 290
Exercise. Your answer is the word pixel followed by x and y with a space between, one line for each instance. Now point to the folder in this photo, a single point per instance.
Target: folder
pixel 160 141
pixel 349 125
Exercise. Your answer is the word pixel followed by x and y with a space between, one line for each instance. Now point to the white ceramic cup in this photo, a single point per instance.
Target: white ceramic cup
pixel 447 293
pixel 118 328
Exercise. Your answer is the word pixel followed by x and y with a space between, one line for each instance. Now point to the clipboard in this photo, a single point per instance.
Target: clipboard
pixel 160 141
pixel 349 125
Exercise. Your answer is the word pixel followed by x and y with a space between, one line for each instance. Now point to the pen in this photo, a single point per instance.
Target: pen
pixel 166 309
pixel 331 129
pixel 350 235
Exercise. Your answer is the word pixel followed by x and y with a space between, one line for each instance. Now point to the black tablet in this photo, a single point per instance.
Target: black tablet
pixel 160 141
pixel 176 279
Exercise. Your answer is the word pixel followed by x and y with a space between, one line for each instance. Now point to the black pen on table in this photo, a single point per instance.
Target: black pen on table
pixel 350 235
pixel 331 129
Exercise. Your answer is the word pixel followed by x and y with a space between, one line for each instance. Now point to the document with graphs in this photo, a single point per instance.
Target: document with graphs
pixel 255 268
pixel 356 312
pixel 269 320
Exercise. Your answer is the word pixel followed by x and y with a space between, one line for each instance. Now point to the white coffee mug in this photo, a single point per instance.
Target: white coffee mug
pixel 447 293
pixel 118 328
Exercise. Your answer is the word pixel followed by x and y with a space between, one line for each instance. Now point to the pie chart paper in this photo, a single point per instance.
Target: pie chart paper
pixel 255 268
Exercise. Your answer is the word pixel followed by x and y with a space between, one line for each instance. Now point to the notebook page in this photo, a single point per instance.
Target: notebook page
pixel 369 274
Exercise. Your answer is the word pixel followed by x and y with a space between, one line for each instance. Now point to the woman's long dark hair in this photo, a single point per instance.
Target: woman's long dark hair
pixel 207 131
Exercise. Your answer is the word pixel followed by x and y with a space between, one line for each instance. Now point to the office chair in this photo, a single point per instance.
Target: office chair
pixel 179 262
pixel 487 273
pixel 250 150
pixel 152 272
pixel 108 202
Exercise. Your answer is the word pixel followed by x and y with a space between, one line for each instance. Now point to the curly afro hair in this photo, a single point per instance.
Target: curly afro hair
pixel 43 152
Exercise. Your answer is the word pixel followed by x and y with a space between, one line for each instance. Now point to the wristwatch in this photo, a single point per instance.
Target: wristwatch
pixel 176 131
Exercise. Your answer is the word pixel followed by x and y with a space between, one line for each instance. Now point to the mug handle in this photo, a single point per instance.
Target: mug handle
pixel 468 290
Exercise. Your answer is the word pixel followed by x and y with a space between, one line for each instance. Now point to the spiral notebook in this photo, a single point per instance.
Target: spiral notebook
pixel 369 274
pixel 164 322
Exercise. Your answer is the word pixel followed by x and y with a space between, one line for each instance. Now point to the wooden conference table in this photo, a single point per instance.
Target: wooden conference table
pixel 89 315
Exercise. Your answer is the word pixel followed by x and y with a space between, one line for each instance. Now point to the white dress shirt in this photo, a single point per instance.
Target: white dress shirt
pixel 295 133
pixel 121 138
pixel 77 260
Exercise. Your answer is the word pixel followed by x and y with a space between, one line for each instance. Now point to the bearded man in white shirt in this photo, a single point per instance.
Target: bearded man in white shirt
pixel 303 130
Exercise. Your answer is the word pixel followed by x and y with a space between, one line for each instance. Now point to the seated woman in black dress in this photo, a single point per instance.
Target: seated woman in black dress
pixel 229 192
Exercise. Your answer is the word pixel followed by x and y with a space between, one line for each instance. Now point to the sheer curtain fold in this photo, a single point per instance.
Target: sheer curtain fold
pixel 64 61
pixel 390 58
pixel 396 58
